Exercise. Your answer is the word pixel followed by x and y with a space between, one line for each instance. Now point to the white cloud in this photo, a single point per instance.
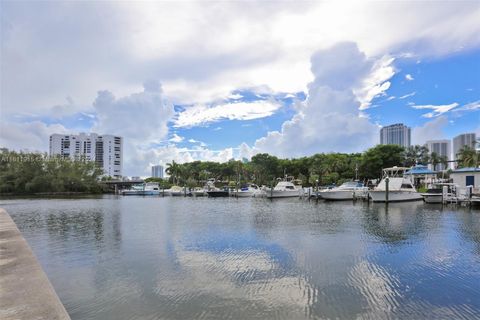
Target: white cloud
pixel 210 48
pixel 469 106
pixel 176 138
pixel 437 109
pixel 329 119
pixel 201 114
pixel 142 117
pixel 32 136
pixel 411 94
pixel 409 77
pixel 376 83
pixel 431 130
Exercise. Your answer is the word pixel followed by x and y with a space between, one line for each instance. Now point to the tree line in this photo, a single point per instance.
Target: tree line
pixel 28 173
pixel 322 168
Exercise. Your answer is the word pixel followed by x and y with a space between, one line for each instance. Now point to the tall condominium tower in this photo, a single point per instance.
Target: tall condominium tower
pixel 442 148
pixel 396 134
pixel 157 171
pixel 106 150
pixel 465 139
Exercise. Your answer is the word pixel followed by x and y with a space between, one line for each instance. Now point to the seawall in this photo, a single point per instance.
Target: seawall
pixel 25 291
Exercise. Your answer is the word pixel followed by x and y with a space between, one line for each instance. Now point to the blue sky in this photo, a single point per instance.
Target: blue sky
pixel 218 80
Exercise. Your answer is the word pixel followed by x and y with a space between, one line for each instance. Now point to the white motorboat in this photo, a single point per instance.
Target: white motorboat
pixel 175 191
pixel 199 192
pixel 285 189
pixel 400 187
pixel 146 189
pixel 250 190
pixel 439 192
pixel 347 191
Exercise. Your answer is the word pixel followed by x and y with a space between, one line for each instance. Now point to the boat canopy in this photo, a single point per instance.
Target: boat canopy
pixel 420 170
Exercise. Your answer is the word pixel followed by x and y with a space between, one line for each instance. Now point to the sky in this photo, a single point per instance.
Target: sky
pixel 216 80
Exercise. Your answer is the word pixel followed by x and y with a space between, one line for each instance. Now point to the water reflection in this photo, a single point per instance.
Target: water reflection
pixel 176 258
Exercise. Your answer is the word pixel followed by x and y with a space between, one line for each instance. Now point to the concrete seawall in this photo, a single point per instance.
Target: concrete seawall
pixel 25 291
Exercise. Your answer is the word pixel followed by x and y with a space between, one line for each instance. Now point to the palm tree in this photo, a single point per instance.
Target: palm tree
pixel 173 169
pixel 467 157
pixel 434 160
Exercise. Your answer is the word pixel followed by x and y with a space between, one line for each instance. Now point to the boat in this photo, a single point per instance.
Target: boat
pixel 439 192
pixel 146 189
pixel 285 189
pixel 249 190
pixel 347 191
pixel 175 191
pixel 199 192
pixel 400 187
pixel 217 193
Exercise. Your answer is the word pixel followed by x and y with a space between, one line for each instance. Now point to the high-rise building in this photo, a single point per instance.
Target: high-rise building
pixel 443 149
pixel 106 150
pixel 397 133
pixel 465 139
pixel 157 171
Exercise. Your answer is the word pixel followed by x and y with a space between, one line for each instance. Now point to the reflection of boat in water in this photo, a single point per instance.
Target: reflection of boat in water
pixel 347 191
pixel 285 189
pixel 147 189
pixel 400 187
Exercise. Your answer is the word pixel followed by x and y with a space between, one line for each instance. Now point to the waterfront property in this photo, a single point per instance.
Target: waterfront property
pixel 465 177
pixel 105 150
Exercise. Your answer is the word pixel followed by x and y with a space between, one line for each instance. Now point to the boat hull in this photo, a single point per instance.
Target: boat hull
pixel 217 194
pixel 432 197
pixel 141 193
pixel 337 195
pixel 395 196
pixel 243 194
pixel 282 194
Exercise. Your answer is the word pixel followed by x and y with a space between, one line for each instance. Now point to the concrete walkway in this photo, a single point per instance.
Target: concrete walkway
pixel 25 292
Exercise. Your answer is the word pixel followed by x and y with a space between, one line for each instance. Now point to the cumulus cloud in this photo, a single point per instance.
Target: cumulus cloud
pixel 329 119
pixel 142 117
pixel 32 136
pixel 409 77
pixel 228 45
pixel 431 130
pixel 199 115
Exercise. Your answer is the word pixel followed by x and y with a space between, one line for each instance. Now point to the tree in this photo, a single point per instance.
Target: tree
pixel 173 170
pixel 416 155
pixel 467 157
pixel 379 157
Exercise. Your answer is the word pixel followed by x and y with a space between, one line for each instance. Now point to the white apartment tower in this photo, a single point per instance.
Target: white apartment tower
pixel 157 171
pixel 106 150
pixel 466 139
pixel 397 133
pixel 442 148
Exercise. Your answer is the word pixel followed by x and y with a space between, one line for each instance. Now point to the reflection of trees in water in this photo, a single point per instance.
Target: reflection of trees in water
pixel 395 222
pixel 88 226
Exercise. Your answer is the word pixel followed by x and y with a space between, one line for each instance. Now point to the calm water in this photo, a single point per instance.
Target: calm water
pixel 183 258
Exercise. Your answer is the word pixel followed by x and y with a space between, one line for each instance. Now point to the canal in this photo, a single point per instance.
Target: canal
pixel 116 257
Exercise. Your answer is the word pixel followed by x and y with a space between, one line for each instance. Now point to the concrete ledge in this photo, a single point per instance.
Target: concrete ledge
pixel 25 291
